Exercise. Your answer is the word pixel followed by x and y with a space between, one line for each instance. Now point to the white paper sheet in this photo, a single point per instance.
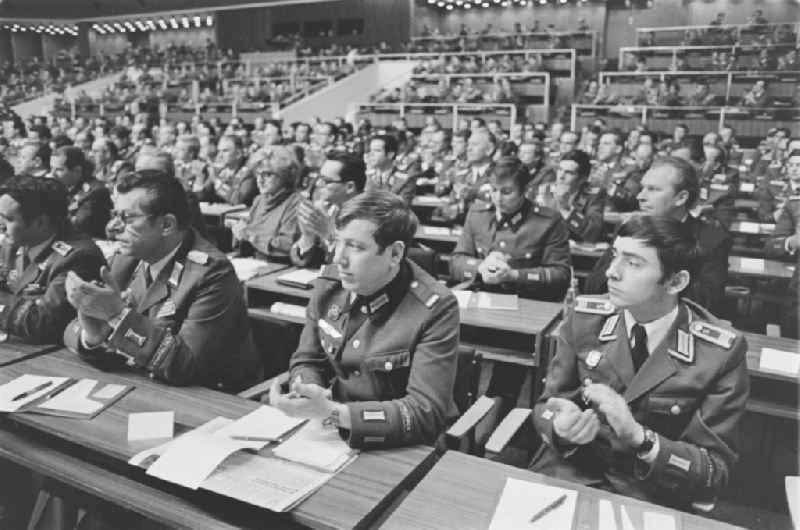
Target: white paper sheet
pixel 463 297
pixel 435 231
pixel 627 524
pixel 263 425
pixel 785 362
pixel 36 385
pixel 505 302
pixel 751 264
pixel 151 425
pixel 659 521
pixel 300 276
pixel 748 227
pixel 316 446
pixel 208 427
pixel 75 399
pixel 190 459
pixel 270 483
pixel 521 500
pixel 109 391
pixel 247 268
pixel 605 516
pixel 747 187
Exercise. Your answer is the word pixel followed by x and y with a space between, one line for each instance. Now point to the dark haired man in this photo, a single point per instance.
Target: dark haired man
pixel 90 200
pixel 383 173
pixel 33 159
pixel 645 392
pixel 40 248
pixel 234 182
pixel 671 188
pixel 341 177
pixel 383 330
pixel 182 319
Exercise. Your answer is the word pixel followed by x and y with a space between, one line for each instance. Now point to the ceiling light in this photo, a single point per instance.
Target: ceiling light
pixel 173 23
pixel 209 21
pixel 185 22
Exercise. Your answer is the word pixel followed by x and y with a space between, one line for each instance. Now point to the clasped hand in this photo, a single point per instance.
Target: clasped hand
pixel 96 304
pixel 304 400
pixel 495 269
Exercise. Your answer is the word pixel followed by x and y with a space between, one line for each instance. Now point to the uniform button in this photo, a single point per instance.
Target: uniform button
pixel 675 410
pixel 357 373
pixel 220 385
pixel 502 244
pixel 364 309
pixel 587 381
pixel 356 343
pixel 414 284
pixel 387 366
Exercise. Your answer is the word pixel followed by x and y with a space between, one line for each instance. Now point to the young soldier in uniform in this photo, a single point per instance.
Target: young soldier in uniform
pixel 773 196
pixel 341 177
pixel 511 244
pixel 609 167
pixel 383 173
pixel 172 305
pixel 384 331
pixel 670 188
pixel 719 184
pixel 645 392
pixel 41 249
pixel 90 200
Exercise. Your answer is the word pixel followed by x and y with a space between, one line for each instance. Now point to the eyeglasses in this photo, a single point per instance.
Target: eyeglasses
pixel 125 217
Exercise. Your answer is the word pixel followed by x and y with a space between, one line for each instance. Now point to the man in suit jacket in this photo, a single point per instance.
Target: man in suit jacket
pixel 380 331
pixel 172 305
pixel 39 249
pixel 670 188
pixel 645 392
pixel 90 200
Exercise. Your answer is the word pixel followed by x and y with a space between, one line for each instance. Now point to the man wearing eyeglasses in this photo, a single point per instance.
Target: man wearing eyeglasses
pixel 171 305
pixel 40 248
pixel 341 177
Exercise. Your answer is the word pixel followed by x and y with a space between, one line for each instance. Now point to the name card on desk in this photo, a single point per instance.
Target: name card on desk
pixel 301 278
pixel 436 231
pixel 151 425
pixel 747 187
pixel 784 362
pixel 751 264
pixel 523 501
pixel 747 227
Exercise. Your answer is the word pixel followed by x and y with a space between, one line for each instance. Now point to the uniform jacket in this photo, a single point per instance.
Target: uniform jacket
pixel 194 175
pixel 772 195
pixel 189 327
pixel 708 288
pixel 400 182
pixel 585 219
pixel 718 189
pixel 33 300
pixel 235 186
pixel 691 391
pixel 541 175
pixel 603 173
pixel 787 225
pixel 466 185
pixel 272 225
pixel 623 189
pixel 535 239
pixel 390 357
pixel 90 208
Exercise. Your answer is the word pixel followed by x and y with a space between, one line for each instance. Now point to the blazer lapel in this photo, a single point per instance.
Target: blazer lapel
pixel 659 365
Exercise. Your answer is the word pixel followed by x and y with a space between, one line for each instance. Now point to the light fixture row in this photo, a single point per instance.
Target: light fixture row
pixel 449 5
pixel 125 26
pixel 50 29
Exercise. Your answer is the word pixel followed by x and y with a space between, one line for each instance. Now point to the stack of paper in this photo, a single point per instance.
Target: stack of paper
pixel 751 264
pixel 507 302
pixel 25 389
pixel 316 446
pixel 263 425
pixel 75 399
pixel 247 268
pixel 292 310
pixel 785 362
pixel 534 507
pixel 302 278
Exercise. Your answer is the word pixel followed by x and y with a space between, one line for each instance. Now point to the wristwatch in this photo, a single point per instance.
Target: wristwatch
pixel 647 444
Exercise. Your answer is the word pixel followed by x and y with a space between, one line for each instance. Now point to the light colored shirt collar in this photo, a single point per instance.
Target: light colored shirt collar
pixel 656 329
pixel 37 249
pixel 156 268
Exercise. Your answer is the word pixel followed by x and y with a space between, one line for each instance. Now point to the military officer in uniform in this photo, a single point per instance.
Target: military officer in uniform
pixel 510 244
pixel 718 184
pixel 609 167
pixel 341 177
pixel 645 393
pixel 670 188
pixel 626 185
pixel 41 248
pixel 785 242
pixel 580 204
pixel 121 136
pixel 772 195
pixel 384 174
pixel 234 182
pixel 380 333
pixel 531 154
pixel 171 305
pixel 89 199
pixel 469 182
pixel 192 172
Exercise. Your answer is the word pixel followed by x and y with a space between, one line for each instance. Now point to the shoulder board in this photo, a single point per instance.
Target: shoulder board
pixel 424 293
pixel 794 198
pixel 713 334
pixel 86 187
pixel 595 306
pixel 61 248
pixel 197 256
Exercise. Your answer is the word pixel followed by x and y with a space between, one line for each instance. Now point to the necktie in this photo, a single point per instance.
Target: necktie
pixel 148 276
pixel 639 352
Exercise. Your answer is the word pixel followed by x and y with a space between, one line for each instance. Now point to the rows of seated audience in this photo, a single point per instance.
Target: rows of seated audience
pixel 780 58
pixel 457 91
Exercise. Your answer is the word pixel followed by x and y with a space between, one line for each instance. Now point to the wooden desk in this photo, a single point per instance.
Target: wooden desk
pixel 772 269
pixel 520 331
pixel 462 491
pixel 772 393
pixel 438 234
pixel 355 497
pixel 216 212
pixel 753 228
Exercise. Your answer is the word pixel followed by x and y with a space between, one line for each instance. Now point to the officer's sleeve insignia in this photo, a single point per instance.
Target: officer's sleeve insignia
pixel 61 248
pixel 596 306
pixel 713 334
pixel 197 256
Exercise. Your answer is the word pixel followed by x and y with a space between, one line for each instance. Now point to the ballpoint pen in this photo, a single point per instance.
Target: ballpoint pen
pixel 32 391
pixel 549 508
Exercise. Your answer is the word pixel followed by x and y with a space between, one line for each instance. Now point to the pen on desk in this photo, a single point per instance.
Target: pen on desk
pixel 32 391
pixel 549 508
pixel 255 439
